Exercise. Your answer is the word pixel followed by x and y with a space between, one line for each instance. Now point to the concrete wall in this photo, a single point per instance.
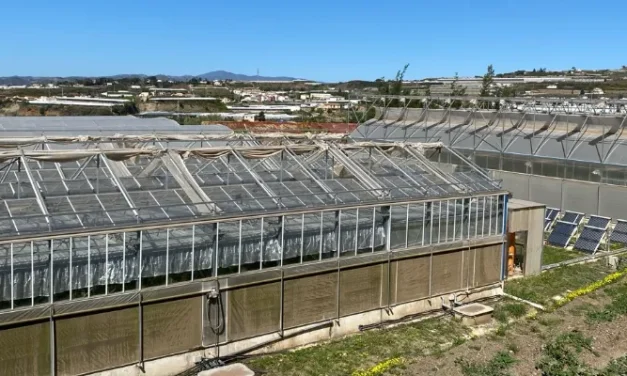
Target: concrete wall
pixel 167 334
pixel 574 195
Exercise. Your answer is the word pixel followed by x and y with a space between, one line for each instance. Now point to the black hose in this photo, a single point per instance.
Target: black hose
pixel 217 330
pixel 237 354
pixel 209 363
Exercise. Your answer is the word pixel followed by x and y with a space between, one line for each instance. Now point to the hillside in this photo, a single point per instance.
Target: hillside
pixel 214 75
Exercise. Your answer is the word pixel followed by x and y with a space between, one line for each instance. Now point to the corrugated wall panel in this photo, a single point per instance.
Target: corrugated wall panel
pixel 446 272
pixel 410 279
pixel 254 310
pixel 581 196
pixel 518 184
pixel 545 190
pixel 25 350
pixel 310 299
pixel 468 268
pixel 488 264
pixel 612 201
pixel 98 341
pixel 362 289
pixel 172 327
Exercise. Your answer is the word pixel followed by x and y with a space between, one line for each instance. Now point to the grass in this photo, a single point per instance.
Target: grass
pixel 561 356
pixel 543 287
pixel 496 366
pixel 503 312
pixel 553 255
pixel 365 350
pixel 617 367
pixel 617 307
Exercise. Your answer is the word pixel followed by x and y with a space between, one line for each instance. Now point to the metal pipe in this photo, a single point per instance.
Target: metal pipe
pixel 534 305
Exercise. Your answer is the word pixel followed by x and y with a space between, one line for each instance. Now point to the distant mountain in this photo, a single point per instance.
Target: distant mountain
pixel 215 75
pixel 224 75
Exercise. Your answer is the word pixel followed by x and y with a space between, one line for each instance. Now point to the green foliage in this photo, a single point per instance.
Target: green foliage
pixel 513 348
pixel 486 83
pixel 194 120
pixel 497 366
pixel 363 350
pixel 550 321
pixel 553 255
pixel 503 312
pixel 361 116
pixel 617 367
pixel 617 307
pixel 393 87
pixel 457 91
pixel 562 355
pixel 543 287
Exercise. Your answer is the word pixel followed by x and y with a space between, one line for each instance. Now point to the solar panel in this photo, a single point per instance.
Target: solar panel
pixel 561 234
pixel 551 213
pixel 572 217
pixel 598 222
pixel 549 217
pixel 619 235
pixel 589 239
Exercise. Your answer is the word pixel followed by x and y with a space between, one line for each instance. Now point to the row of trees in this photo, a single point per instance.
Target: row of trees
pixel 488 87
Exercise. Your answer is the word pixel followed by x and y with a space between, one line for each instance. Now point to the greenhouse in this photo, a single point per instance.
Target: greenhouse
pixel 568 144
pixel 111 212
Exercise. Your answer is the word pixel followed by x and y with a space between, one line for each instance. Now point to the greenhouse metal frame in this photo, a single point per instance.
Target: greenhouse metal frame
pixel 579 139
pixel 86 216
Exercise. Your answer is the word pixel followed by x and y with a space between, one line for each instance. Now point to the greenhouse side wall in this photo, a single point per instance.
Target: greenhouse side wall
pixel 415 255
pixel 111 338
pixel 580 196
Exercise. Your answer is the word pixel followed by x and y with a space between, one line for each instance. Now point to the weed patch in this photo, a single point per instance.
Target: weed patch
pixel 503 312
pixel 561 356
pixel 617 307
pixel 553 255
pixel 542 288
pixel 363 350
pixel 497 366
pixel 617 367
pixel 550 321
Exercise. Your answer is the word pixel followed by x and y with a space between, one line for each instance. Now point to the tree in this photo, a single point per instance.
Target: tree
pixel 397 84
pixel 456 89
pixel 487 82
pixel 394 87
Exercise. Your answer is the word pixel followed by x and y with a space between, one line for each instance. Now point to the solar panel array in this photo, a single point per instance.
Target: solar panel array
pixel 561 234
pixel 549 217
pixel 619 235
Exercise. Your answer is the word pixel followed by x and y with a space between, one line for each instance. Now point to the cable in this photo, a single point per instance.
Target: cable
pixel 217 330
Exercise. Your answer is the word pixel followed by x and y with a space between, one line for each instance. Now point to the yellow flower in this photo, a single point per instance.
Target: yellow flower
pixel 590 288
pixel 380 368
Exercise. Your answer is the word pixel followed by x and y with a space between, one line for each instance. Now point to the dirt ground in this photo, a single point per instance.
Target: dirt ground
pixel 512 344
pixel 525 339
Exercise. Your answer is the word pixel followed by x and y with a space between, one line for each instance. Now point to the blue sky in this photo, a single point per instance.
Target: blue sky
pixel 323 39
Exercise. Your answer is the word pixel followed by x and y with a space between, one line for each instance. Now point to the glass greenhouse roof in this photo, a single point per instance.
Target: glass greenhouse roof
pixel 70 184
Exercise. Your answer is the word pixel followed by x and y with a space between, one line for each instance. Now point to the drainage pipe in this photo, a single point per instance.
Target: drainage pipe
pixel 534 305
pixel 584 259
